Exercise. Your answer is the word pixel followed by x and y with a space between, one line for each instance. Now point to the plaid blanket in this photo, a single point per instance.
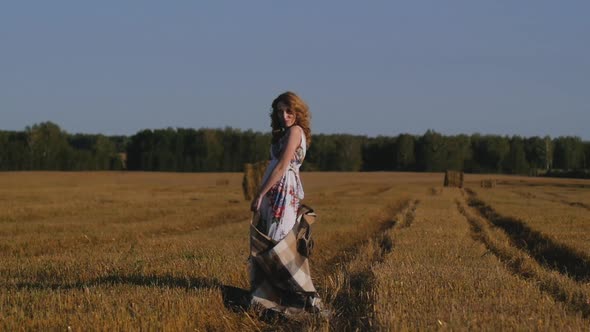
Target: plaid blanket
pixel 279 273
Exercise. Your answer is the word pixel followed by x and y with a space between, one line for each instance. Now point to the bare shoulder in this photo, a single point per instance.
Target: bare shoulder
pixel 293 136
pixel 296 131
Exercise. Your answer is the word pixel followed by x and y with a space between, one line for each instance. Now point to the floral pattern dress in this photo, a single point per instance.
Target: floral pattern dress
pixel 279 206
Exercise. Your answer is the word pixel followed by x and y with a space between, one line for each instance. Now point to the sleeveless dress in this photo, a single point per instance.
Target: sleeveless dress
pixel 280 277
pixel 278 209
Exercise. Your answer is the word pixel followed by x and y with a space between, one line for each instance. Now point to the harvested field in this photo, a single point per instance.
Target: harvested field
pixel 559 210
pixel 394 251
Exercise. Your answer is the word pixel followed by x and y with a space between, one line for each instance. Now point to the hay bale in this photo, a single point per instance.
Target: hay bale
pixel 488 183
pixel 453 179
pixel 253 174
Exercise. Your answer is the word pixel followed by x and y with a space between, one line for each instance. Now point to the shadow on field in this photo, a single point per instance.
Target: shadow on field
pixel 234 298
pixel 558 200
pixel 541 247
pixel 543 184
pixel 577 204
pixel 517 262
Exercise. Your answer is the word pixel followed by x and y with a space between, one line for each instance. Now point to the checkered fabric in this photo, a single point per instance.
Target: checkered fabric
pixel 279 273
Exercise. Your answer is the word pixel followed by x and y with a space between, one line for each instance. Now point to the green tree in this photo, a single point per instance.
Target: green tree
pixel 538 152
pixel 496 149
pixel 212 146
pixel 139 151
pixel 516 162
pixel 104 152
pixel 337 152
pixel 405 152
pixel 350 159
pixel 163 157
pixel 232 150
pixel 379 154
pixel 586 155
pixel 48 146
pixel 432 154
pixel 458 150
pixel 4 161
pixel 569 153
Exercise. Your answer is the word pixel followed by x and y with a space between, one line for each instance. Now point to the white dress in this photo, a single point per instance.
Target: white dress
pixel 278 209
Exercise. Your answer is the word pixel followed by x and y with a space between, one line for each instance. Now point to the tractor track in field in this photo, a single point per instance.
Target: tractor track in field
pixel 559 199
pixel 561 287
pixel 352 280
pixel 348 253
pixel 522 183
pixel 410 214
pixel 545 250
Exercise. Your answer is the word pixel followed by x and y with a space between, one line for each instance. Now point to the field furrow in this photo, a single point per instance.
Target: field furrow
pixel 439 276
pixel 562 223
pixel 574 295
pixel 349 289
pixel 551 197
pixel 541 247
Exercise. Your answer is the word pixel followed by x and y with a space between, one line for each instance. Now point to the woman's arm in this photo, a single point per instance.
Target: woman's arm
pixel 293 139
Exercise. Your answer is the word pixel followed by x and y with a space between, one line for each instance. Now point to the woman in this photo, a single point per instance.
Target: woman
pixel 279 272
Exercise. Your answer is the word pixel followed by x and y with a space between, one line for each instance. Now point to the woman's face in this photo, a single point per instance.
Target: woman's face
pixel 286 116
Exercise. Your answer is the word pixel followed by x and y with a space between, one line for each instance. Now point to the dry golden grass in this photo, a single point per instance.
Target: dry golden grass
pixel 440 276
pixel 127 251
pixel 560 210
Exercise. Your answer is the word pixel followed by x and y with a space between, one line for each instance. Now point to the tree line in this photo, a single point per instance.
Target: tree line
pixel 45 146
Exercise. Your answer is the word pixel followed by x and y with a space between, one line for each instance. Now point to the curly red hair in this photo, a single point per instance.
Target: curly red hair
pixel 302 115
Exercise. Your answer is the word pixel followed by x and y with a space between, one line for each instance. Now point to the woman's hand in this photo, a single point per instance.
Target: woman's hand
pixel 255 206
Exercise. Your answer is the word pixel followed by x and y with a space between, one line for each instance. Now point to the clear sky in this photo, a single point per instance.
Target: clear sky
pixel 364 67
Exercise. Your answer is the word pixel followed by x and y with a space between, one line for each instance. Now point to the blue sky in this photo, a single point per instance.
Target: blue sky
pixel 370 68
